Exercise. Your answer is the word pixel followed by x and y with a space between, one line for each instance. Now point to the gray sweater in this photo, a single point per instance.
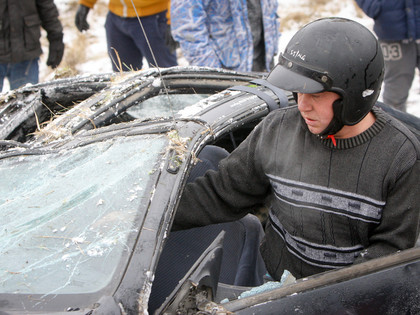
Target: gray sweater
pixel 329 206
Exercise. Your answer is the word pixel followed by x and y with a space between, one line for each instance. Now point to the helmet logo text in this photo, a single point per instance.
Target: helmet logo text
pixel 297 54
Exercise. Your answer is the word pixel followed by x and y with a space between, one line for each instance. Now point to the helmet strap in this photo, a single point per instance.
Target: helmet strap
pixel 336 123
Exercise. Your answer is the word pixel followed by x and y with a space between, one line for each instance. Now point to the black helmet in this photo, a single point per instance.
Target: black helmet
pixel 337 55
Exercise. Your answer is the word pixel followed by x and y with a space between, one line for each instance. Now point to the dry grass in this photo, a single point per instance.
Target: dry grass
pixel 77 51
pixel 75 54
pixel 77 44
pixel 180 147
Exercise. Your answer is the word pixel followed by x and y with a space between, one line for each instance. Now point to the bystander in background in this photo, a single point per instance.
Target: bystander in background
pixel 397 25
pixel 134 30
pixel 20 47
pixel 338 174
pixel 232 34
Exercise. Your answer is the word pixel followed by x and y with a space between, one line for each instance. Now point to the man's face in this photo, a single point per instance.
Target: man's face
pixel 317 110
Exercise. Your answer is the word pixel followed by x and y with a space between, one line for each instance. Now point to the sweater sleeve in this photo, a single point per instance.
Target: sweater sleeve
pixel 229 193
pixel 399 227
pixel 189 28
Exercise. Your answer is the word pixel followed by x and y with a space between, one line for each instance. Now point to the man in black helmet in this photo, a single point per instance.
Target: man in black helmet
pixel 339 174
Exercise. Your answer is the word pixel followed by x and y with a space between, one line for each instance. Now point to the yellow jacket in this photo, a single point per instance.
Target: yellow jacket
pixel 125 8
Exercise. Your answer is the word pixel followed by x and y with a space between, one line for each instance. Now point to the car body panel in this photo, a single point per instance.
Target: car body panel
pixel 388 285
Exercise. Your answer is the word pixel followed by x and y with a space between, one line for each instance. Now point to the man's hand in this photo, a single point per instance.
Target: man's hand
pixel 81 18
pixel 56 52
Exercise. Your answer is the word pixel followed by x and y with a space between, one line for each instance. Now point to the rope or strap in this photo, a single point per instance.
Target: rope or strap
pixel 272 103
pixel 284 101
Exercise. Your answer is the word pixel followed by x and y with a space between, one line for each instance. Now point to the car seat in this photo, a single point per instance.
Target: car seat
pixel 242 264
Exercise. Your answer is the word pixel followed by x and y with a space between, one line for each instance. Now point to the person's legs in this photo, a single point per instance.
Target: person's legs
pixel 154 48
pixel 256 24
pixel 23 72
pixel 122 49
pixel 400 63
pixel 418 55
pixel 3 74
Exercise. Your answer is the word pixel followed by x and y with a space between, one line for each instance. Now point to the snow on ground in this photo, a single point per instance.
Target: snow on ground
pixel 86 53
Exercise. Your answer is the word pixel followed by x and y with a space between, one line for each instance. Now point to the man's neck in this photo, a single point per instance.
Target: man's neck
pixel 357 129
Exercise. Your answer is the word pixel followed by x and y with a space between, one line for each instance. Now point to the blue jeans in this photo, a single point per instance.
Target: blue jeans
pixel 127 44
pixel 19 73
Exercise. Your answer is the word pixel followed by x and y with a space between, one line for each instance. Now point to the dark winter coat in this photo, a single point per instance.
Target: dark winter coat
pixel 20 28
pixel 394 20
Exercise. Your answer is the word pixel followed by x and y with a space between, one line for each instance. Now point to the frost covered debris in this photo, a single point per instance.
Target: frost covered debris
pixel 124 91
pixel 105 99
pixel 193 110
pixel 32 106
pixel 17 112
pixel 49 134
pixel 179 146
pixel 141 94
pixel 7 96
pixel 54 130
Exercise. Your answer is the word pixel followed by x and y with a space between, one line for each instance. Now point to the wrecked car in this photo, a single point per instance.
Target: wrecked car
pixel 92 169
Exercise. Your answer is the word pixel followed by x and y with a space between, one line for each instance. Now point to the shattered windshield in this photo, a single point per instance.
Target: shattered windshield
pixel 157 106
pixel 68 217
